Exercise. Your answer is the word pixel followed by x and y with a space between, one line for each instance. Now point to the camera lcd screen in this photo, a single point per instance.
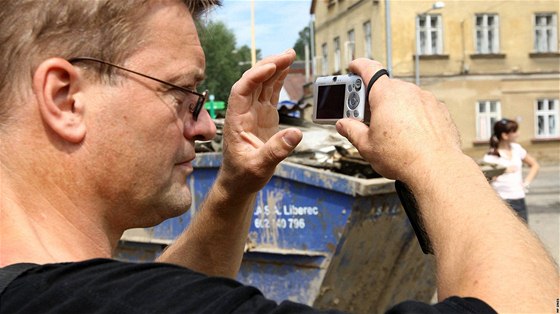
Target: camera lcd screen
pixel 330 102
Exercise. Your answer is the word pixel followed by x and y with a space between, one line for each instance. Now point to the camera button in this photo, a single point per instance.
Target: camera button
pixel 356 113
pixel 349 87
pixel 358 84
pixel 348 113
pixel 353 100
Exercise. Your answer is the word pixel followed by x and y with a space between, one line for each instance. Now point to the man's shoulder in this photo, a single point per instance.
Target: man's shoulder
pixel 451 305
pixel 103 266
pixel 105 285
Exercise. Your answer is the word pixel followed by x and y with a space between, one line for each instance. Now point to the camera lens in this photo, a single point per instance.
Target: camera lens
pixel 334 78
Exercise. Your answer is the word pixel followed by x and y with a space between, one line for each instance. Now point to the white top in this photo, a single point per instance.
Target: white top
pixel 510 184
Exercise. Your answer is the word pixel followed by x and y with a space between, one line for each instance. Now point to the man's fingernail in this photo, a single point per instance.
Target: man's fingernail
pixel 291 138
pixel 340 128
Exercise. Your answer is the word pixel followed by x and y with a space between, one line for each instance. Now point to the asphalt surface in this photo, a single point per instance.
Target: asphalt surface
pixel 543 203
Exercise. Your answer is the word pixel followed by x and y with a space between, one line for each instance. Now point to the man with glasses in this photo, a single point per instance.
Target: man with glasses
pixel 99 112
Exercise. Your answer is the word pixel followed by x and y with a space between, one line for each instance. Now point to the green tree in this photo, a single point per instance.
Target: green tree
pixel 299 47
pixel 222 71
pixel 224 62
pixel 243 55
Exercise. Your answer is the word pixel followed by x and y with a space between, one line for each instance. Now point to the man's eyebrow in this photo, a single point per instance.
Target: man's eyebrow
pixel 179 79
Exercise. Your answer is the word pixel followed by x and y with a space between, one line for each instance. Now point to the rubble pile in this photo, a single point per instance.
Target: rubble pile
pixel 322 147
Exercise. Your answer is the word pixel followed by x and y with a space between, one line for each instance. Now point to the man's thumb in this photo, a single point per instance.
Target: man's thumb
pixel 281 145
pixel 355 131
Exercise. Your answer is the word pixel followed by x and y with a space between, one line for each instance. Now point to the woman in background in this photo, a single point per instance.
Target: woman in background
pixel 505 152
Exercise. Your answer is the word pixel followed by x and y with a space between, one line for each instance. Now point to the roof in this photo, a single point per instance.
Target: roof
pixel 293 84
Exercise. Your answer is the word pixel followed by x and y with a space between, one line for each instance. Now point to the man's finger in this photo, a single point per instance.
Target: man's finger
pixel 278 87
pixel 282 60
pixel 355 131
pixel 280 146
pixel 367 68
pixel 273 86
pixel 246 86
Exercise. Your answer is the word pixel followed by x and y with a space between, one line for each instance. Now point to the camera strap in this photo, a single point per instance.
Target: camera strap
pixel 374 78
pixel 410 206
pixel 406 197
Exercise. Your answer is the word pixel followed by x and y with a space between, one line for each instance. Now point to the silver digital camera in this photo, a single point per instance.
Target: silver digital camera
pixel 340 96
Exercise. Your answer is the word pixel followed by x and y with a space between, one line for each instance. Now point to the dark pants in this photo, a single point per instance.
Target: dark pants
pixel 519 207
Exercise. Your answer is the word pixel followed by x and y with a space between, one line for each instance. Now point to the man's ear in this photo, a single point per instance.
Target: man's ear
pixel 55 83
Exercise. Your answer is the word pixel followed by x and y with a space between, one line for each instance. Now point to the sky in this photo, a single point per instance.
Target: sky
pixel 277 22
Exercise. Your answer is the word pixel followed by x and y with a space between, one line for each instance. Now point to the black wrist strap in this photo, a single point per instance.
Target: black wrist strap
pixel 405 195
pixel 412 211
pixel 374 78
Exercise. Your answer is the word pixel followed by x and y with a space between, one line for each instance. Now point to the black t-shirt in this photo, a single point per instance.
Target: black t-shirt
pixel 109 286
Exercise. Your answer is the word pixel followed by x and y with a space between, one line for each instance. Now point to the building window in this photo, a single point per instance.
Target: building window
pixel 337 55
pixel 545 33
pixel 487 33
pixel 325 60
pixel 547 115
pixel 350 47
pixel 429 32
pixel 487 113
pixel 367 40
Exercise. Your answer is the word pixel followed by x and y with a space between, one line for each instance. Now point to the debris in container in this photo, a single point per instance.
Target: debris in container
pixel 491 170
pixel 214 145
pixel 322 147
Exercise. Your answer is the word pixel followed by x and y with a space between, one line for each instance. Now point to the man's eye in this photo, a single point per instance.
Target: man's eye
pixel 177 94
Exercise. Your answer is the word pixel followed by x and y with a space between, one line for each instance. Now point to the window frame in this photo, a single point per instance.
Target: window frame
pixel 325 61
pixel 350 46
pixel 367 40
pixel 337 63
pixel 427 48
pixel 550 41
pixel 484 45
pixel 489 118
pixel 554 112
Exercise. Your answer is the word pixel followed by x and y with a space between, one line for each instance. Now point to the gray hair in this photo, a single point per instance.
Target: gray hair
pixel 34 30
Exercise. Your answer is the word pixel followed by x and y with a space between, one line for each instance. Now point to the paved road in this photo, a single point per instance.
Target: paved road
pixel 543 202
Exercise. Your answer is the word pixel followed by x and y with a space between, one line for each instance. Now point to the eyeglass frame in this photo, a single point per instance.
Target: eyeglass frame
pixel 202 97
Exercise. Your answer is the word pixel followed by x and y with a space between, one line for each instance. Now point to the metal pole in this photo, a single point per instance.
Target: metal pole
pixel 388 37
pixel 253 44
pixel 312 40
pixel 416 57
pixel 436 6
pixel 307 76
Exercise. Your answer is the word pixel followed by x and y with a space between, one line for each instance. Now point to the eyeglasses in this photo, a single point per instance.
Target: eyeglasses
pixel 195 110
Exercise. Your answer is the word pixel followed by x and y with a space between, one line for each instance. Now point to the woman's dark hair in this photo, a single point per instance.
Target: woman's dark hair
pixel 501 127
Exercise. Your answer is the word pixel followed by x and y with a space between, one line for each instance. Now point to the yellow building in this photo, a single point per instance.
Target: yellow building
pixel 486 60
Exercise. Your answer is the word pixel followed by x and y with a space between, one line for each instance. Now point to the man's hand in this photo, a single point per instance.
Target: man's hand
pixel 214 242
pixel 407 125
pixel 253 146
pixel 482 249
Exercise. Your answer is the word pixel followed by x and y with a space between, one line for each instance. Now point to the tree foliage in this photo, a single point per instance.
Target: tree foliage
pixel 299 46
pixel 224 62
pixel 218 43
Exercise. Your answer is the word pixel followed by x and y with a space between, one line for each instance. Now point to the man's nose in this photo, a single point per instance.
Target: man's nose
pixel 203 129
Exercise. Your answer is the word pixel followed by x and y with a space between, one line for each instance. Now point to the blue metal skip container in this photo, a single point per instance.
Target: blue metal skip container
pixel 317 237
